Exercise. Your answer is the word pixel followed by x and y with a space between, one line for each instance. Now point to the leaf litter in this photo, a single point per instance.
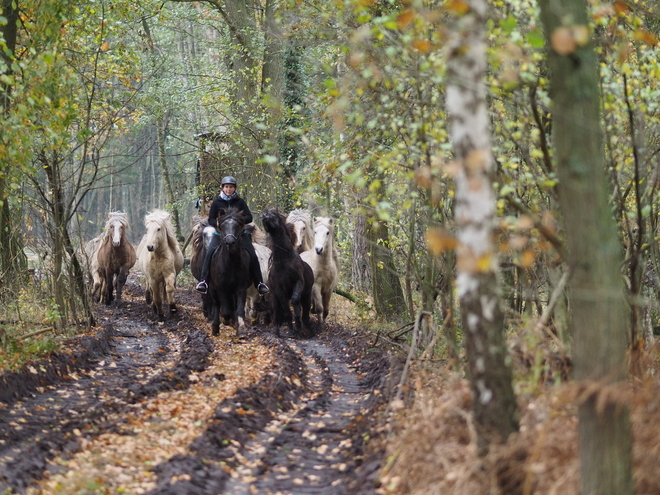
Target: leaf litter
pixel 163 408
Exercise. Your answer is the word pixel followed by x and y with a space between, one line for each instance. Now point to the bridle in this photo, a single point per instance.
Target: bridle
pixel 226 238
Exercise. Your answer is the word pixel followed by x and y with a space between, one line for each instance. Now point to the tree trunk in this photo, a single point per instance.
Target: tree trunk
pixel 386 287
pixel 162 159
pixel 12 258
pixel 360 266
pixel 599 316
pixel 494 402
pixel 57 214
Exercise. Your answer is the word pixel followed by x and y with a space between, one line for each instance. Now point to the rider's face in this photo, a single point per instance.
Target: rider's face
pixel 228 189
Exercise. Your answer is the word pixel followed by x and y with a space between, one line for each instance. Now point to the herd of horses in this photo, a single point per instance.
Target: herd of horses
pixel 296 253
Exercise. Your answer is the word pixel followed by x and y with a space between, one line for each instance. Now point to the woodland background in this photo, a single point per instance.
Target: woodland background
pixel 338 106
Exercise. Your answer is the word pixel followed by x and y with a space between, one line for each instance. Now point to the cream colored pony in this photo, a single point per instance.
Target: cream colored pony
pixel 302 222
pixel 324 260
pixel 160 259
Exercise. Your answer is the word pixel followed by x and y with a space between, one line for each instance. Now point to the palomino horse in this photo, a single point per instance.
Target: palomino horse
pixel 324 261
pixel 91 250
pixel 229 274
pixel 302 223
pixel 160 259
pixel 111 259
pixel 290 278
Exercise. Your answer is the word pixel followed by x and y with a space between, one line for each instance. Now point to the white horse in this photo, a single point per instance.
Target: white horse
pixel 91 251
pixel 302 222
pixel 253 296
pixel 160 259
pixel 324 260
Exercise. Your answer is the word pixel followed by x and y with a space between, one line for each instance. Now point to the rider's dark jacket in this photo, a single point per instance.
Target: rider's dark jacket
pixel 235 202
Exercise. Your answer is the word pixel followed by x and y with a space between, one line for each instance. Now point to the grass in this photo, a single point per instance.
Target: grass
pixel 21 314
pixel 14 354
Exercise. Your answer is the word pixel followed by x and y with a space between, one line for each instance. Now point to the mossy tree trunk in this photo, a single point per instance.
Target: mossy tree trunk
pixel 12 259
pixel 599 313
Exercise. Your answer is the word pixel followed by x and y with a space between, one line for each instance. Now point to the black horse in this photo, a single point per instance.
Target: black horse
pixel 290 278
pixel 229 274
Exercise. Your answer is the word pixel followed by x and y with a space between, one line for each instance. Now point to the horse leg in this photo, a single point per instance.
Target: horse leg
pixel 295 302
pixel 97 286
pixel 241 328
pixel 207 306
pixel 157 302
pixel 121 281
pixel 278 313
pixel 215 323
pixel 107 275
pixel 306 303
pixel 317 303
pixel 147 294
pixel 170 282
pixel 326 303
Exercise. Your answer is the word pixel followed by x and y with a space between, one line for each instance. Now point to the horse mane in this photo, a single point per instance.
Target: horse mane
pixel 291 231
pixel 162 218
pixel 257 234
pixel 299 215
pixel 230 212
pixel 199 224
pixel 115 216
pixel 327 221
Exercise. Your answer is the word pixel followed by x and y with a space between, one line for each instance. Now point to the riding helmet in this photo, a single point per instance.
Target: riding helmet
pixel 228 180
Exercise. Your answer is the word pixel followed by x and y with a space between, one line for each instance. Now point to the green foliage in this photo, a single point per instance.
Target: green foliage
pixel 14 354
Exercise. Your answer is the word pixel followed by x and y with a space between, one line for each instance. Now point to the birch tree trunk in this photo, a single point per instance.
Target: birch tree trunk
pixel 493 401
pixel 599 314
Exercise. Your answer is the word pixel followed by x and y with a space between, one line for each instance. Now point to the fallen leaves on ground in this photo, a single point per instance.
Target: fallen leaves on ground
pixel 158 427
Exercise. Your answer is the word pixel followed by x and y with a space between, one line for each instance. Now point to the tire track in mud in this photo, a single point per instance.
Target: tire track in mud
pixel 309 451
pixel 143 359
pixel 300 429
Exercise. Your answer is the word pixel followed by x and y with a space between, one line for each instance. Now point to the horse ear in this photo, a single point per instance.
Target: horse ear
pixel 221 212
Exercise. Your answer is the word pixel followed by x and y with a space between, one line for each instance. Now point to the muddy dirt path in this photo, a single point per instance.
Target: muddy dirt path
pixel 284 416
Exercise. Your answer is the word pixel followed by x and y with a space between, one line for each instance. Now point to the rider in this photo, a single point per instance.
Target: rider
pixel 229 198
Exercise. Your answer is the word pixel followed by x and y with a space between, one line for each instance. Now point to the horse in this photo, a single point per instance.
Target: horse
pixel 324 260
pixel 302 222
pixel 201 238
pixel 229 273
pixel 253 304
pixel 96 281
pixel 290 278
pixel 161 260
pixel 112 258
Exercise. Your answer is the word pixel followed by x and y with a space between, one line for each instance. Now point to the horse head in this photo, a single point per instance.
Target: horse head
pixel 116 227
pixel 231 224
pixel 271 220
pixel 157 224
pixel 323 234
pixel 302 225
